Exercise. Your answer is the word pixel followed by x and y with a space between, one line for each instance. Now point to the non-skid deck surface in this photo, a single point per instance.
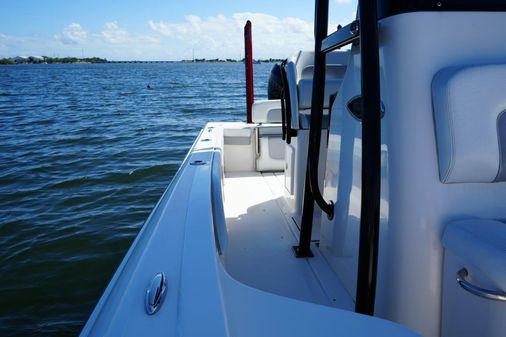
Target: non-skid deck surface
pixel 259 251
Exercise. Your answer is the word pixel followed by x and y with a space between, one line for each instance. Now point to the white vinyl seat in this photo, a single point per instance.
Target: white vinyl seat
pixel 469 104
pixel 482 244
pixel 474 278
pixel 266 111
pixel 300 85
pixel 271 149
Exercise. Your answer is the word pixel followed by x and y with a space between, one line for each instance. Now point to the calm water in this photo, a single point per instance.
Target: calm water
pixel 85 153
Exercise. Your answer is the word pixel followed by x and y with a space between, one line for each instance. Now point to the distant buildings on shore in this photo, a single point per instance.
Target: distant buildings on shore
pixel 49 60
pixel 270 60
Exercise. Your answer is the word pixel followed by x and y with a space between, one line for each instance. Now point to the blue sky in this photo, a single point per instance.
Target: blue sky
pixel 160 30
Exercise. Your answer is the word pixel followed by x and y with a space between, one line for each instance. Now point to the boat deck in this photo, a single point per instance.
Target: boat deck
pixel 261 235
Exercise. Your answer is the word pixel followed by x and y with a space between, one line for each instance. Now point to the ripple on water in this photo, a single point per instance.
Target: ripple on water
pixel 83 160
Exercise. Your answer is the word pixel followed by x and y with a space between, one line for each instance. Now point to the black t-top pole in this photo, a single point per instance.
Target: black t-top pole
pixel 320 32
pixel 371 159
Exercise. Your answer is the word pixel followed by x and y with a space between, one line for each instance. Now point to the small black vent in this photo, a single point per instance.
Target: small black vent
pixel 355 108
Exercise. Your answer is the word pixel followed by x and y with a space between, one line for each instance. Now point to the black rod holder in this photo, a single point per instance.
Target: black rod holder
pixel 306 227
pixel 371 159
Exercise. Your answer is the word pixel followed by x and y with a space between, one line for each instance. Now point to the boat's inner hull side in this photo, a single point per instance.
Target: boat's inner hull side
pixel 202 298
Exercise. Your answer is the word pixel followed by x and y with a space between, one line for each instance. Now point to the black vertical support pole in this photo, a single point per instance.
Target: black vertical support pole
pixel 371 159
pixel 306 227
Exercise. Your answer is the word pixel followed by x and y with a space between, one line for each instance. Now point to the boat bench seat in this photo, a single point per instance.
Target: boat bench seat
pixel 482 244
pixel 469 105
pixel 300 85
pixel 305 91
pixel 271 149
pixel 474 278
pixel 254 148
pixel 266 111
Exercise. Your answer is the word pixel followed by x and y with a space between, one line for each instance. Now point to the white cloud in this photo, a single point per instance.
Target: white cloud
pixel 160 27
pixel 112 33
pixel 3 40
pixel 343 1
pixel 216 36
pixel 72 34
pixel 221 36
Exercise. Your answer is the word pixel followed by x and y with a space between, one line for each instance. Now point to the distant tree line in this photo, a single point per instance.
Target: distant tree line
pixel 49 60
pixel 270 60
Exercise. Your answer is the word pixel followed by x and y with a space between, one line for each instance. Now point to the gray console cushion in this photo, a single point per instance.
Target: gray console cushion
pixel 468 105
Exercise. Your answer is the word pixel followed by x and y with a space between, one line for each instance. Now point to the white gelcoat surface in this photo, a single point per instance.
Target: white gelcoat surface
pixel 420 205
pixel 465 314
pixel 202 298
pixel 413 48
pixel 261 239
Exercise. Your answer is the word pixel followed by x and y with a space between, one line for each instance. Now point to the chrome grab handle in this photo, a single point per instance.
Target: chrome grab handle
pixel 495 295
pixel 155 293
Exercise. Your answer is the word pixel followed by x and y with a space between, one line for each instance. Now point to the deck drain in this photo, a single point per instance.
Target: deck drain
pixel 198 162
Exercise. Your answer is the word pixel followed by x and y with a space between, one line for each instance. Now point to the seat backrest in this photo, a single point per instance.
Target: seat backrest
pixel 469 105
pixel 300 82
pixel 266 111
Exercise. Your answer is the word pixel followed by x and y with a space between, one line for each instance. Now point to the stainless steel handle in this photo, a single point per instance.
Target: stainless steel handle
pixel 478 291
pixel 155 293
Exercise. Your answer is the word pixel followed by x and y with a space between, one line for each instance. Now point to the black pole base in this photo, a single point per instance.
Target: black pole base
pixel 302 253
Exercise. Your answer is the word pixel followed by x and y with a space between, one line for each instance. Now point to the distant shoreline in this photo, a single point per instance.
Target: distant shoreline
pixel 94 60
pixel 49 60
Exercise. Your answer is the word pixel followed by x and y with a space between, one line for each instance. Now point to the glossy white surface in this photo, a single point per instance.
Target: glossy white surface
pixel 203 299
pixel 261 239
pixel 415 205
pixel 419 204
pixel 465 314
pixel 480 243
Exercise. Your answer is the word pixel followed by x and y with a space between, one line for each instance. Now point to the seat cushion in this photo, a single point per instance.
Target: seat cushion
pixel 481 243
